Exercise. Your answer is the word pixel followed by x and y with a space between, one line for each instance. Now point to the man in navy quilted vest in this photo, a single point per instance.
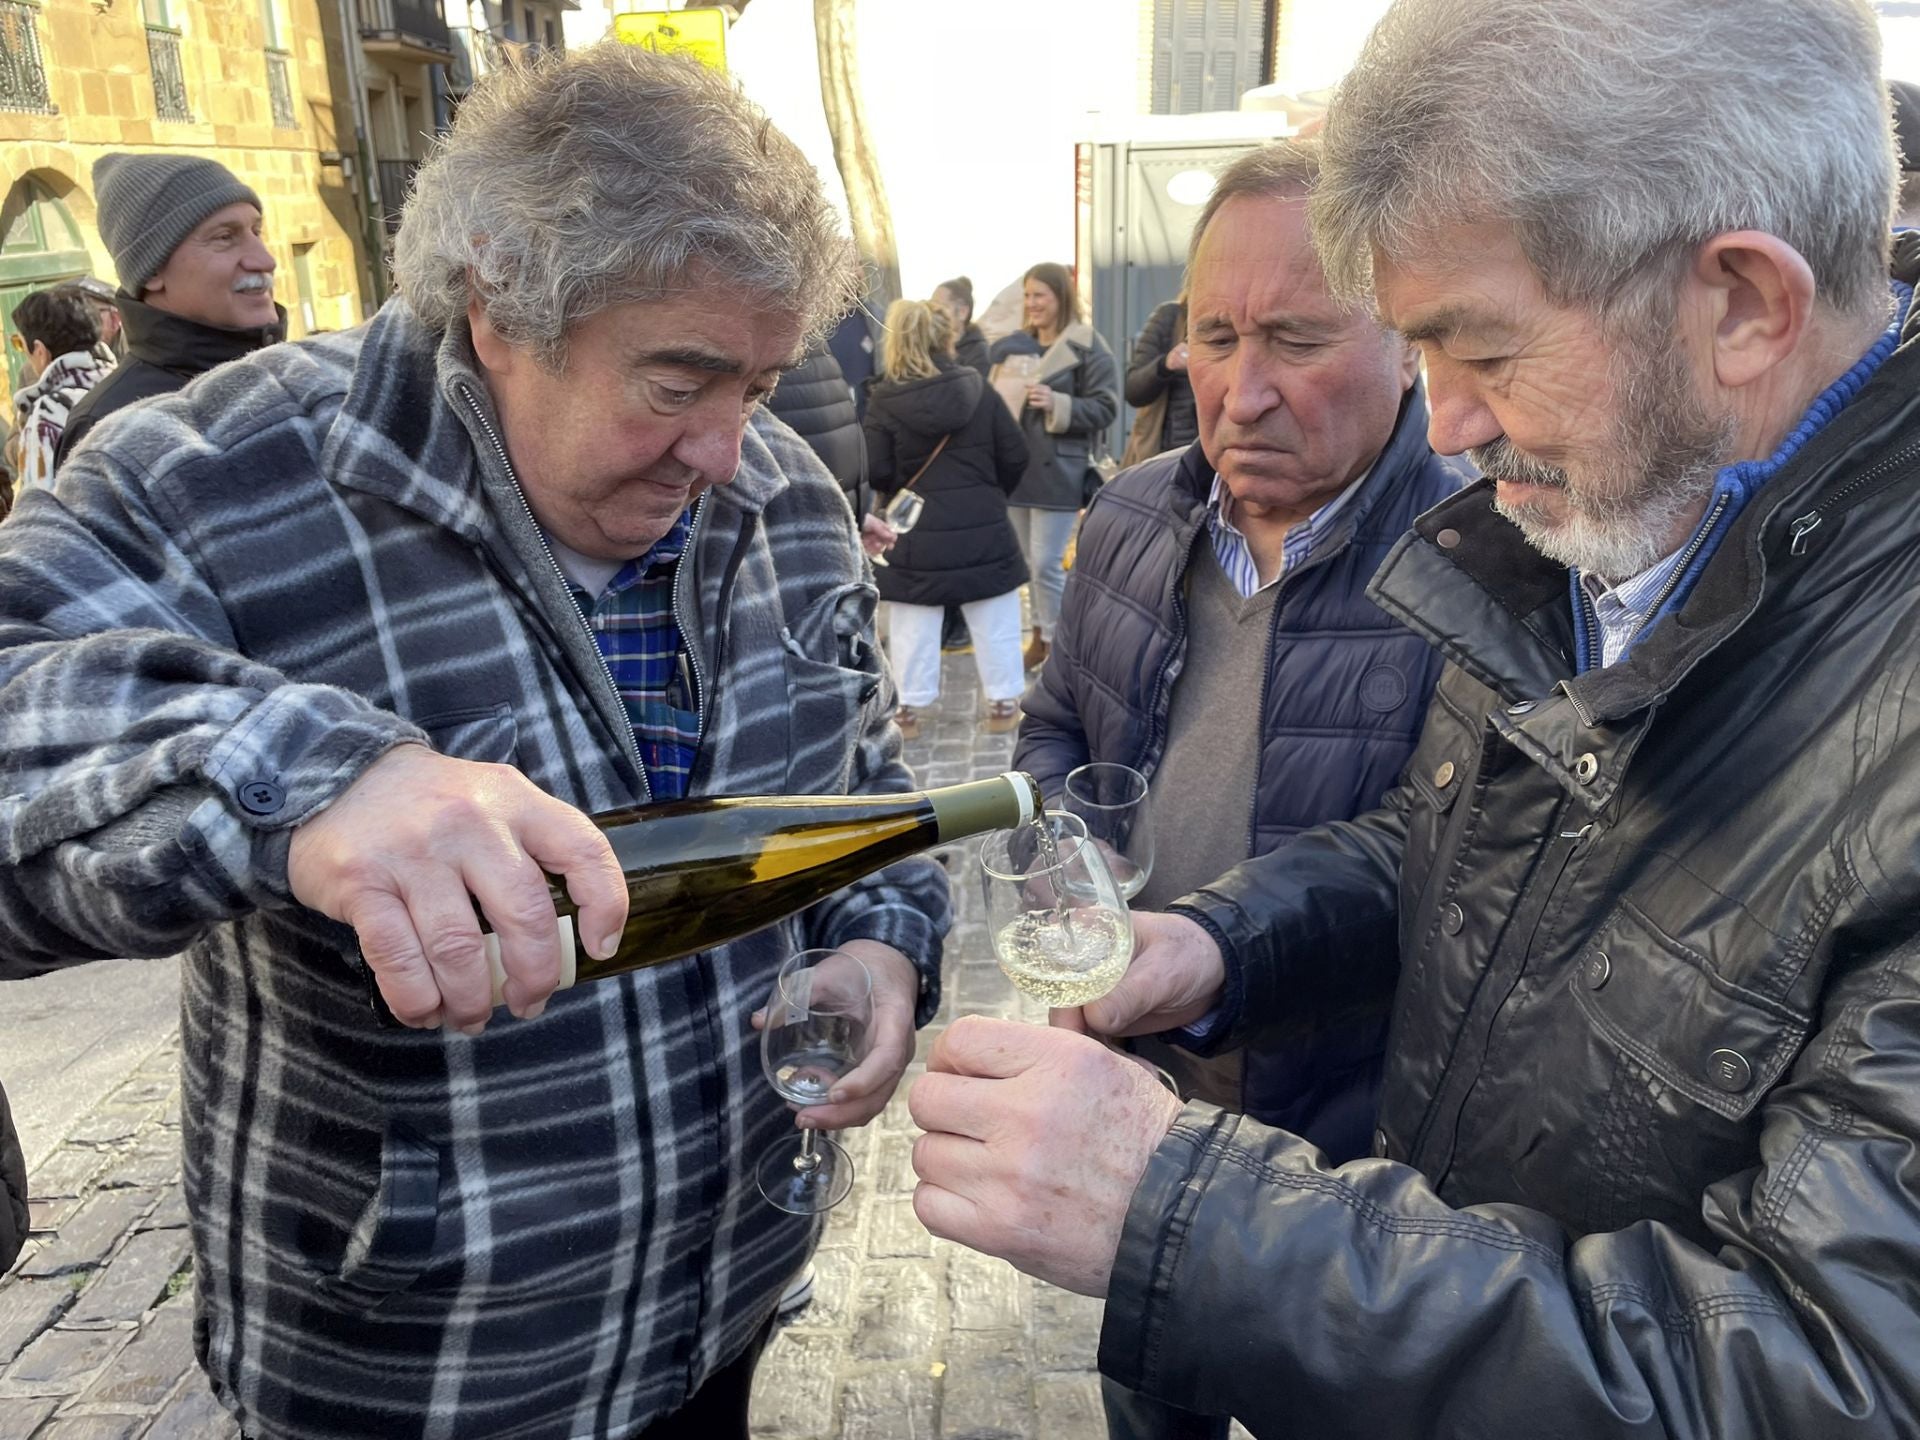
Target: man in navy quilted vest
pixel 1217 638
pixel 305 661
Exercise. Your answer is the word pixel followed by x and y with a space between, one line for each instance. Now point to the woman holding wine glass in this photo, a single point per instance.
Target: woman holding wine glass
pixel 943 455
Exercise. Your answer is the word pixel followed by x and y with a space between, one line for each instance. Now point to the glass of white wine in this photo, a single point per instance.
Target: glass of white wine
pixel 902 513
pixel 1059 924
pixel 816 1032
pixel 1112 799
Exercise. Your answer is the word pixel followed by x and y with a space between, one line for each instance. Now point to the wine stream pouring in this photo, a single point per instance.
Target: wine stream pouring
pixel 701 872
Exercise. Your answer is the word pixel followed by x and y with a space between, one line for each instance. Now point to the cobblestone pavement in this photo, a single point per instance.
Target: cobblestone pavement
pixel 907 1338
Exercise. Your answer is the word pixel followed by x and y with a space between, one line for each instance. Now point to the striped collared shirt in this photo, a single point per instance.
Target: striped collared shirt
pixel 1230 546
pixel 1622 609
pixel 632 622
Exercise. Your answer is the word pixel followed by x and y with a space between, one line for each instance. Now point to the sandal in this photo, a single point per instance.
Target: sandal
pixel 908 722
pixel 1002 716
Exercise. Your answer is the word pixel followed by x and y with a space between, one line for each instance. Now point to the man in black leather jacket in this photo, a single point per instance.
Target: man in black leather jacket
pixel 1648 897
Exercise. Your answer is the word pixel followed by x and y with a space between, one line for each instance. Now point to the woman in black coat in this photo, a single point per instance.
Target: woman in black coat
pixel 963 550
pixel 1159 367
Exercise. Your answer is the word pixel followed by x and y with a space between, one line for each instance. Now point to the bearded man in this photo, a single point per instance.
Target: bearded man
pixel 1648 899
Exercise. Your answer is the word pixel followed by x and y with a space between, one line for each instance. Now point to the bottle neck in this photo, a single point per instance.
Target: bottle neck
pixel 1003 803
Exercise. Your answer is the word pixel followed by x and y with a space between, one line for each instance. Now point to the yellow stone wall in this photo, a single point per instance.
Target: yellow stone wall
pixel 100 85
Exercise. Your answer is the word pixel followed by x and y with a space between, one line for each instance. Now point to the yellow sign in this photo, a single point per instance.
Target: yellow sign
pixel 699 33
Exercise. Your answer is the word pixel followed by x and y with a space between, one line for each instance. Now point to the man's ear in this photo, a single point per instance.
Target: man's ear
pixel 1409 362
pixel 494 353
pixel 1759 293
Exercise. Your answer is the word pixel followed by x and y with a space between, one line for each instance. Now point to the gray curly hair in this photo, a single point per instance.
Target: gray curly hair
pixel 1614 137
pixel 608 175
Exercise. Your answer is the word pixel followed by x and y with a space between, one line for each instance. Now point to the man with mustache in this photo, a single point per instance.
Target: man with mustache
pixel 1216 636
pixel 196 280
pixel 306 665
pixel 1648 899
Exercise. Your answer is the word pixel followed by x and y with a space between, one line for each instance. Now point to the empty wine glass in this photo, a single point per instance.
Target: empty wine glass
pixel 902 513
pixel 1112 800
pixel 816 1032
pixel 1059 925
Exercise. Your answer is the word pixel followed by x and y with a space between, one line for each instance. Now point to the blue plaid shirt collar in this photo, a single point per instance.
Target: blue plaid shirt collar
pixel 1230 546
pixel 633 624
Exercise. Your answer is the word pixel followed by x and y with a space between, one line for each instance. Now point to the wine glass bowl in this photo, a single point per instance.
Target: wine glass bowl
pixel 1112 800
pixel 817 1027
pixel 1060 927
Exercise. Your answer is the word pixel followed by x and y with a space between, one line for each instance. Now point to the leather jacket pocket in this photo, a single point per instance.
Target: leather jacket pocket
pixel 1689 1056
pixel 391 1244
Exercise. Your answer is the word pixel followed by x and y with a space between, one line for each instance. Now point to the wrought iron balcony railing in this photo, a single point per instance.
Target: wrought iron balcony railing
pixel 23 75
pixel 169 80
pixel 396 178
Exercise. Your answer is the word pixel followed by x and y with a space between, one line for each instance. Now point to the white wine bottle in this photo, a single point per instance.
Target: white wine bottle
pixel 701 872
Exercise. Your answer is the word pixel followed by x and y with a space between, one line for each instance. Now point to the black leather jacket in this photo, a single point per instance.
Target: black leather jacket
pixel 1650 1125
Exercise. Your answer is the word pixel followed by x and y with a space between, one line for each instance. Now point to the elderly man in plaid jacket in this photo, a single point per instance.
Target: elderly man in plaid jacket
pixel 345 637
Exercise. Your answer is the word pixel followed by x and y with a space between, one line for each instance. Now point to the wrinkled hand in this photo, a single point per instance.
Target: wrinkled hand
pixel 1177 357
pixel 1036 1140
pixel 404 852
pixel 1175 977
pixel 1039 397
pixel 864 1091
pixel 876 536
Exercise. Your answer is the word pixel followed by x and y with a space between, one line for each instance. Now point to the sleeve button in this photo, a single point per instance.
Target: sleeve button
pixel 262 797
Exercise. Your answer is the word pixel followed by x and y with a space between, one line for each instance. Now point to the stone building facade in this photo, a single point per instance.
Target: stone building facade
pixel 250 83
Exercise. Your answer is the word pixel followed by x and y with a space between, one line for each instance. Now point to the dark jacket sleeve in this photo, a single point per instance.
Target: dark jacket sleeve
pixel 1310 928
pixel 1010 451
pixel 880 460
pixel 1147 372
pixel 1354 1302
pixel 1096 392
pixel 13 1189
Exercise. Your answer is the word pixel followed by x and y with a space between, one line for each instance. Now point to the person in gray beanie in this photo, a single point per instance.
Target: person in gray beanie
pixel 196 282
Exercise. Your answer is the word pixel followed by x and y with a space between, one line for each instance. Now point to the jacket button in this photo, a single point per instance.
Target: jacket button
pixel 1598 969
pixel 1729 1071
pixel 262 797
pixel 1452 918
pixel 1524 707
pixel 1447 539
pixel 1379 1144
pixel 1443 776
pixel 1585 768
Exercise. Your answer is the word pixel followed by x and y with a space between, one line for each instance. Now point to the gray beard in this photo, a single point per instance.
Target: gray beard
pixel 1663 457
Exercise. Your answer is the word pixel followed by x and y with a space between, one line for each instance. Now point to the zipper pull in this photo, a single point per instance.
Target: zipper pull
pixel 1802 528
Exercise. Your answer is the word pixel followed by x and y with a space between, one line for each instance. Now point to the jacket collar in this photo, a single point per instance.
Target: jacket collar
pixel 1405 454
pixel 186 347
pixel 1466 580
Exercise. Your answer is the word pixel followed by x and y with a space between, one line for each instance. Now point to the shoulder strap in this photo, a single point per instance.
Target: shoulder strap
pixel 929 460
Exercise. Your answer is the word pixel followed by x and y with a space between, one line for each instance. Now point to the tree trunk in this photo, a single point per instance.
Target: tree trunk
pixel 834 34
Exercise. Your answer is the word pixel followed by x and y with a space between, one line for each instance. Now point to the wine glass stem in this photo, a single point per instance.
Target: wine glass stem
pixel 808 1160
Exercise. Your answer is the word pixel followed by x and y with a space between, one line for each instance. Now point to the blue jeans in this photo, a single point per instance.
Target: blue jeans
pixel 1043 536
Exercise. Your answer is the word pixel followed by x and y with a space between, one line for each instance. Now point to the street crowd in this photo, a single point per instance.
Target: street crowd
pixel 1509 591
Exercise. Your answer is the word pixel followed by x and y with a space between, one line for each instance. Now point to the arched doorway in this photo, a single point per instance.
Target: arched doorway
pixel 40 245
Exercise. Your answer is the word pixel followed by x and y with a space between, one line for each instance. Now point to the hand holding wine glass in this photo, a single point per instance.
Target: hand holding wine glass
pixel 818 1021
pixel 902 514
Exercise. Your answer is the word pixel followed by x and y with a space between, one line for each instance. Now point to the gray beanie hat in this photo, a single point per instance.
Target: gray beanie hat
pixel 148 204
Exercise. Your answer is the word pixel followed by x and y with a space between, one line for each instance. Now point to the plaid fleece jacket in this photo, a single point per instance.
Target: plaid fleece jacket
pixel 233 601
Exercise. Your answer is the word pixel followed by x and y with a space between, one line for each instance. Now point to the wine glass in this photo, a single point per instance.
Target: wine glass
pixel 816 1032
pixel 1059 924
pixel 902 513
pixel 1112 799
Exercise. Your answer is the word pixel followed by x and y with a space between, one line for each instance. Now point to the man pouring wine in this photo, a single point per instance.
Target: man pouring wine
pixel 347 637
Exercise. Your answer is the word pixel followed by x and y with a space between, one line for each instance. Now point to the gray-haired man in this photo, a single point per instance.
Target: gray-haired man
pixel 341 640
pixel 1648 897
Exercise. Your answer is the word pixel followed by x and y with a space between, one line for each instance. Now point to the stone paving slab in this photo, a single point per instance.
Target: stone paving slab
pixel 907 1338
